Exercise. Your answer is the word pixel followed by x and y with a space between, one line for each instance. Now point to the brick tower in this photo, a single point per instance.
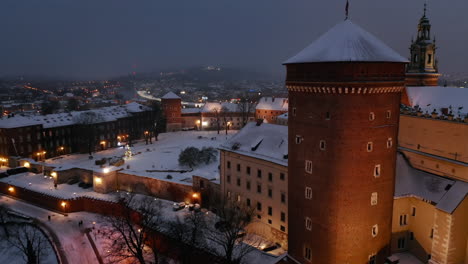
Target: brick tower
pixel 344 98
pixel 422 69
pixel 172 106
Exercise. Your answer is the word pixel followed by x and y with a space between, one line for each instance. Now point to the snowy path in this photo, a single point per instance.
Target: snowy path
pixel 72 238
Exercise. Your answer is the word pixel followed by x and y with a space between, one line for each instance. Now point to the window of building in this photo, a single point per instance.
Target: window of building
pixel 389 114
pixel 270 176
pixel 248 170
pixel 283 197
pixel 238 182
pixel 413 211
pixel 411 236
pixel 403 220
pixel 238 198
pixel 270 211
pixel 308 166
pixel 371 116
pixel 375 230
pixel 229 194
pixel 299 139
pixel 282 228
pixel 228 164
pixel 294 110
pixel 429 58
pixel 374 198
pixel 401 242
pixel 323 145
pixel 270 222
pixel 377 171
pixel 370 146
pixel 283 217
pixel 228 178
pixel 259 173
pixel 389 142
pixel 238 167
pixel 247 201
pixel 259 206
pixel 308 193
pixel 248 185
pixel 432 233
pixel 259 188
pixel 308 253
pixel 282 176
pixel 259 216
pixel 308 223
pixel 327 116
pixel 270 193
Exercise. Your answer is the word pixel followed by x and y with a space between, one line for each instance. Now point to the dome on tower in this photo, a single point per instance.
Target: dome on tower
pixel 347 42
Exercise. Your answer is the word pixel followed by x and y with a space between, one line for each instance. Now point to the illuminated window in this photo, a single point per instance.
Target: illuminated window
pixel 374 198
pixel 308 223
pixel 389 114
pixel 377 171
pixel 308 193
pixel 299 139
pixel 229 194
pixel 375 230
pixel 323 145
pixel 371 116
pixel 308 166
pixel 238 198
pixel 307 253
pixel 370 146
pixel 389 142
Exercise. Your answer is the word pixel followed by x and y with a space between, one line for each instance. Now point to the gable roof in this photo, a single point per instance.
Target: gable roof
pixel 170 95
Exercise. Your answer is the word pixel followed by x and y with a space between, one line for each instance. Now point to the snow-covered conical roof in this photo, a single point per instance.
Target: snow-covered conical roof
pixel 347 42
pixel 170 95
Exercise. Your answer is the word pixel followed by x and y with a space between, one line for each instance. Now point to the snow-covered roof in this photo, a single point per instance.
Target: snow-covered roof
pixel 447 194
pixel 436 97
pixel 347 42
pixel 191 110
pixel 170 95
pixel 272 103
pixel 284 116
pixel 210 107
pixel 106 114
pixel 267 142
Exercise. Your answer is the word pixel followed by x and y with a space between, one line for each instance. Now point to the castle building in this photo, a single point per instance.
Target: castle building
pixel 171 106
pixel 422 69
pixel 344 102
pixel 269 108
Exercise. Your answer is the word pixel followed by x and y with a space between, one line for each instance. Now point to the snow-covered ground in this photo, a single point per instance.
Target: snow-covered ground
pixel 161 155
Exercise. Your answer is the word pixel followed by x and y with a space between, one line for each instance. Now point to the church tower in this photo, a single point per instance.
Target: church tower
pixel 422 69
pixel 344 91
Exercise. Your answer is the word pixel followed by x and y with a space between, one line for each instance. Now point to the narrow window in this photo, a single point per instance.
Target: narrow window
pixel 238 167
pixel 375 230
pixel 228 164
pixel 374 198
pixel 248 201
pixel 308 193
pixel 389 114
pixel 282 176
pixel 270 211
pixel 248 170
pixel 238 198
pixel 432 233
pixel 259 188
pixel 270 176
pixel 270 193
pixel 259 173
pixel 371 116
pixel 259 206
pixel 283 217
pixel 429 58
pixel 389 142
pixel 283 229
pixel 308 223
pixel 238 182
pixel 327 116
pixel 370 146
pixel 229 194
pixel 228 178
pixel 299 139
pixel 308 166
pixel 248 185
pixel 411 236
pixel 403 220
pixel 307 253
pixel 413 211
pixel 294 111
pixel 401 242
pixel 377 171
pixel 283 197
pixel 323 145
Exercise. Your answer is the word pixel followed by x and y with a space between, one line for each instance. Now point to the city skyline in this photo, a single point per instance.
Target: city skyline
pixel 88 40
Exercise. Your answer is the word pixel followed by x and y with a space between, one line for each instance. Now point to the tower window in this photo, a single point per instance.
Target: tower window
pixel 308 223
pixel 371 116
pixel 323 145
pixel 327 116
pixel 370 146
pixel 283 217
pixel 432 233
pixel 299 139
pixel 307 253
pixel 415 59
pixel 377 171
pixel 308 193
pixel 308 166
pixel 248 185
pixel 238 198
pixel 375 230
pixel 389 142
pixel 294 111
pixel 389 114
pixel 429 58
pixel 374 198
pixel 270 193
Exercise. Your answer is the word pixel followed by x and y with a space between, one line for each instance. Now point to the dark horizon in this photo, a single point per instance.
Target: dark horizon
pixel 98 40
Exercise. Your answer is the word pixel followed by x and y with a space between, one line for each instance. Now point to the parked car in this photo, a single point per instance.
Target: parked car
pixel 178 206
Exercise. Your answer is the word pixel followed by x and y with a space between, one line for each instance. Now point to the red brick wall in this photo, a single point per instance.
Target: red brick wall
pixel 172 110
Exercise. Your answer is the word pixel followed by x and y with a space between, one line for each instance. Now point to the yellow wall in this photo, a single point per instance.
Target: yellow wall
pixel 438 137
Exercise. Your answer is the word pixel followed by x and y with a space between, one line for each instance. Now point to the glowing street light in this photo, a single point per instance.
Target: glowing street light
pixel 106 170
pixel 63 204
pixel 27 164
pixel 98 180
pixel 11 189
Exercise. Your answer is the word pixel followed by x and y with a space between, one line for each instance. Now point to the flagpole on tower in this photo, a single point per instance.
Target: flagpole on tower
pixel 347 10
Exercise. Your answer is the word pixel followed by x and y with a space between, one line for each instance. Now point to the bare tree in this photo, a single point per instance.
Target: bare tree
pixel 189 231
pixel 128 230
pixel 217 115
pixel 229 233
pixel 225 115
pixel 30 241
pixel 4 219
pixel 246 107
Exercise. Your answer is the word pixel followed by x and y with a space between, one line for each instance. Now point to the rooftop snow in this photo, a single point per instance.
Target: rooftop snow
pixel 445 193
pixel 436 97
pixel 191 110
pixel 271 103
pixel 210 107
pixel 347 42
pixel 170 95
pixel 271 146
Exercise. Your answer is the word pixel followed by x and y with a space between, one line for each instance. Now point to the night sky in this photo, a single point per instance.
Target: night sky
pixel 104 38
